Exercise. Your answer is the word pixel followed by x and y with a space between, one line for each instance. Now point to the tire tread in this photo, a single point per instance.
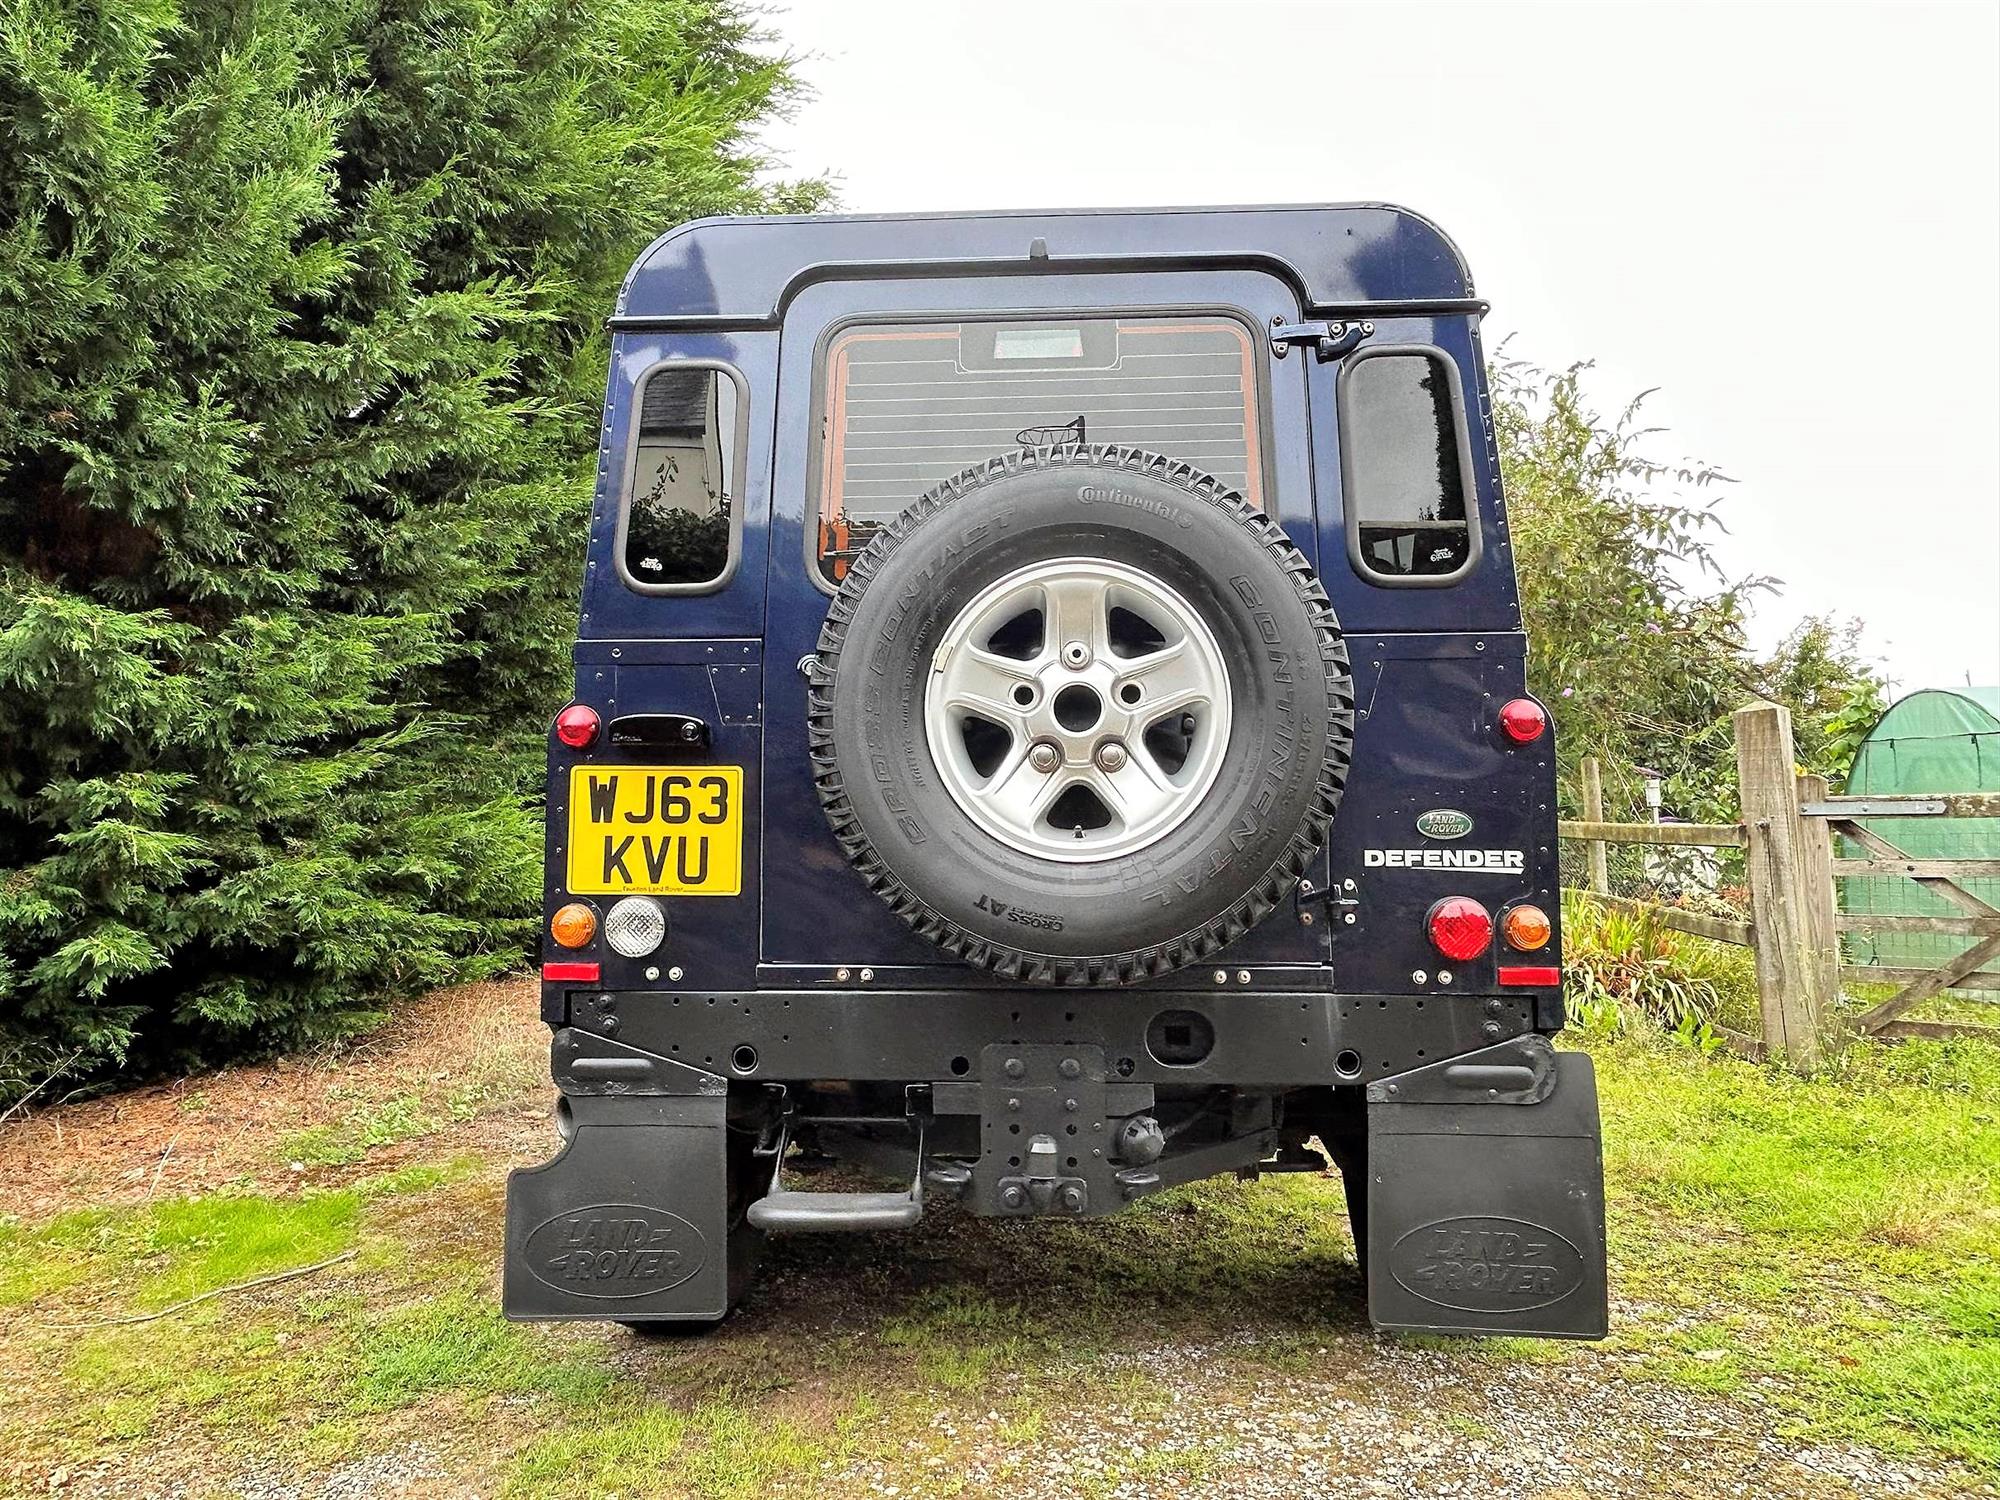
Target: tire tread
pixel 1266 892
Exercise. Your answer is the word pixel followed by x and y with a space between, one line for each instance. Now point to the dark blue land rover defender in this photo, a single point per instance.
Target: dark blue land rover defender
pixel 1050 725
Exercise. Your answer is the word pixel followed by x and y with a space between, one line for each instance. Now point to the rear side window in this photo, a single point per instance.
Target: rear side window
pixel 904 406
pixel 1406 467
pixel 682 519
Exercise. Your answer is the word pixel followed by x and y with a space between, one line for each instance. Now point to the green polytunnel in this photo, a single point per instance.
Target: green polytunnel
pixel 1936 740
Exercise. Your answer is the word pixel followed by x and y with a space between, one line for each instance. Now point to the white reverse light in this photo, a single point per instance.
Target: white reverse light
pixel 635 926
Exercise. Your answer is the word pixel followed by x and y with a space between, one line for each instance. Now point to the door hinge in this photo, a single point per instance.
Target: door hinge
pixel 1329 340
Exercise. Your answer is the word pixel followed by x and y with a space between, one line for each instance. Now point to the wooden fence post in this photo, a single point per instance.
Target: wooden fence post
pixel 1821 900
pixel 1593 812
pixel 1797 976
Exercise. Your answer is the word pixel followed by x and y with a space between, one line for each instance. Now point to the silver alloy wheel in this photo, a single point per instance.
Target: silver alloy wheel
pixel 1122 681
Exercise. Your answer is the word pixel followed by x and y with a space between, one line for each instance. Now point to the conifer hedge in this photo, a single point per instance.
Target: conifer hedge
pixel 300 357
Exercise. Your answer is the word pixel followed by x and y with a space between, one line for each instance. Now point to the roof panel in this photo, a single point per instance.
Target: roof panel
pixel 744 269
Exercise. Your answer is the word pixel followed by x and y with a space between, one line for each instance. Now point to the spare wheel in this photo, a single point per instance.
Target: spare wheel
pixel 1081 715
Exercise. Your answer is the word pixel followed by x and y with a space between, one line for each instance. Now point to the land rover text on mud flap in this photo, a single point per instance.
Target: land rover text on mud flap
pixel 1050 725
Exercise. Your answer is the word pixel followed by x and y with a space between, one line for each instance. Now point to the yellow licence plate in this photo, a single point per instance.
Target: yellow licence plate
pixel 656 830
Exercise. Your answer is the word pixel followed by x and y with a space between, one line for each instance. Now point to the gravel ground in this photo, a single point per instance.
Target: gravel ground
pixel 1428 1426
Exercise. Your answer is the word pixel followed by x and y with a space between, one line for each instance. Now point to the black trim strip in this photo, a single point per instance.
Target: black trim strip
pixel 724 323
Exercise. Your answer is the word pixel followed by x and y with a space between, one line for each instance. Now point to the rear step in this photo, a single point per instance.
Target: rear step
pixel 789 1211
pixel 825 1213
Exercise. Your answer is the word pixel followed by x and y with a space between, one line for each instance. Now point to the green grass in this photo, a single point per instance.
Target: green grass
pixel 170 1250
pixel 1838 1234
pixel 461 1344
pixel 1828 1245
pixel 719 1448
pixel 351 1139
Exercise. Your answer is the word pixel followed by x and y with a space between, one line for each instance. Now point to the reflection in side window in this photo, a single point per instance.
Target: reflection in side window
pixel 1405 484
pixel 683 484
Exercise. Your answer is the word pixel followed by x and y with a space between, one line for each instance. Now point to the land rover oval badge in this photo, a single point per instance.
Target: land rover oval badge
pixel 1444 823
pixel 615 1250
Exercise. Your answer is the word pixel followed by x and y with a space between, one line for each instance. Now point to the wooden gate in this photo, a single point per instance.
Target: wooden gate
pixel 1978 918
pixel 1787 827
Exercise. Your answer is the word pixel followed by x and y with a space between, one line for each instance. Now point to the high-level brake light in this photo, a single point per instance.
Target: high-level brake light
pixel 1523 720
pixel 1460 928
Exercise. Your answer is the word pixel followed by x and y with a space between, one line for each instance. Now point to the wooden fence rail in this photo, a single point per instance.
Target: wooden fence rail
pixel 1699 924
pixel 1787 830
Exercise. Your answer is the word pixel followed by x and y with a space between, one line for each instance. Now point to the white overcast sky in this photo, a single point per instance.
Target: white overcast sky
pixel 1786 217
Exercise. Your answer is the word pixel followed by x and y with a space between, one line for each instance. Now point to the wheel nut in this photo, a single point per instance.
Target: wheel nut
pixel 1044 757
pixel 1110 756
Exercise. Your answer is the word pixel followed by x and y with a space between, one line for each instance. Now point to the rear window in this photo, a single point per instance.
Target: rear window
pixel 681 524
pixel 1405 466
pixel 907 405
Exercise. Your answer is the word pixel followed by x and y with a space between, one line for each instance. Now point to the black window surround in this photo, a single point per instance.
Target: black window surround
pixel 733 495
pixel 1351 500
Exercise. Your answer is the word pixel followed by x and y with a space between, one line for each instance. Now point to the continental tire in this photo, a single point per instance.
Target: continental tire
pixel 1080 715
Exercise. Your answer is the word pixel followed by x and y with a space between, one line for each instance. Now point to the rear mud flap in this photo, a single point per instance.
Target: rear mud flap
pixel 629 1222
pixel 1486 1196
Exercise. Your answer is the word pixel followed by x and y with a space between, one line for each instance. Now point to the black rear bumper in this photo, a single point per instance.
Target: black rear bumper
pixel 1233 1037
pixel 1476 1148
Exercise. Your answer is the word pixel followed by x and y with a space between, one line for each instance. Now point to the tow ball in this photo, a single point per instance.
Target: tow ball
pixel 1041 1188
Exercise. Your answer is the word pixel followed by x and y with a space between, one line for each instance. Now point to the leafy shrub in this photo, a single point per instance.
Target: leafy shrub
pixel 1623 969
pixel 1636 636
pixel 697 545
pixel 299 363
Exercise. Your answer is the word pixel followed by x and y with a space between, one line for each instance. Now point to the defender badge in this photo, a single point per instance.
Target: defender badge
pixel 1444 823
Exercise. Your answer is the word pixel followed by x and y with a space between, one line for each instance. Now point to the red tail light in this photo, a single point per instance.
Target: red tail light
pixel 1461 928
pixel 571 973
pixel 1523 720
pixel 576 726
